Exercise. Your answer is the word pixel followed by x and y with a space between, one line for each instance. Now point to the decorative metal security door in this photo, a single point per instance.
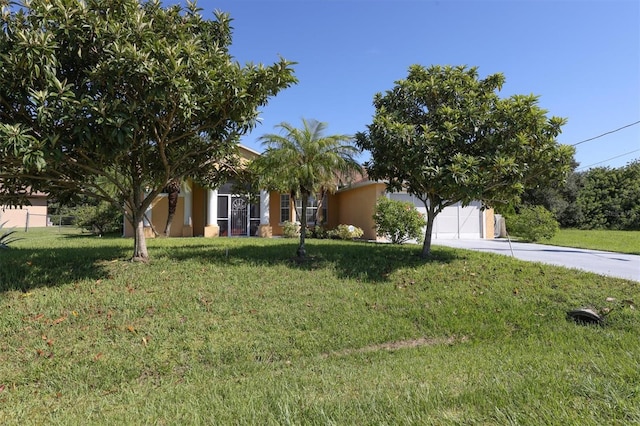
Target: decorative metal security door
pixel 239 211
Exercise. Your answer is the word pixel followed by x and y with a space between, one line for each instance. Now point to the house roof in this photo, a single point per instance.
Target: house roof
pixel 246 150
pixel 355 179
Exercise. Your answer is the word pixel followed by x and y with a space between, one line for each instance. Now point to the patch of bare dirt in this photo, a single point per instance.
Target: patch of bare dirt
pixel 401 344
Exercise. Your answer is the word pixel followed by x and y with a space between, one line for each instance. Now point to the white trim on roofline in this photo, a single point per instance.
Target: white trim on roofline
pixel 360 184
pixel 246 148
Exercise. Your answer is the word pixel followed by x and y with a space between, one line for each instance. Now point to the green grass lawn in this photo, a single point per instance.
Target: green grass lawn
pixel 616 241
pixel 235 331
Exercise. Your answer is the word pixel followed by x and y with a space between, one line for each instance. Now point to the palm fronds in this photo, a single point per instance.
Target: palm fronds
pixel 6 237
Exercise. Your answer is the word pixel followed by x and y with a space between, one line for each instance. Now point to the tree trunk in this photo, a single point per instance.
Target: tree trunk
pixel 138 210
pixel 319 216
pixel 173 203
pixel 140 253
pixel 302 252
pixel 431 216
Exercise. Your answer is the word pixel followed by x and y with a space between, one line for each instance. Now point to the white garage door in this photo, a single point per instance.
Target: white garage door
pixel 454 222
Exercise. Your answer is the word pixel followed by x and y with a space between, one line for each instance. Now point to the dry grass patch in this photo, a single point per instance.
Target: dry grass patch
pixel 400 344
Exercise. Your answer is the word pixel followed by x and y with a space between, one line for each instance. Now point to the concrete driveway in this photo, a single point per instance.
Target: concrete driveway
pixel 600 262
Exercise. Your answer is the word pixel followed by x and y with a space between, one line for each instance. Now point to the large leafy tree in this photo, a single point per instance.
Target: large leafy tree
pixel 445 136
pixel 302 161
pixel 610 198
pixel 121 91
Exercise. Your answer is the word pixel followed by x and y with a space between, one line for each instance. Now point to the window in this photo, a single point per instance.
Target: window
pixel 312 209
pixel 254 216
pixel 285 208
pixel 223 215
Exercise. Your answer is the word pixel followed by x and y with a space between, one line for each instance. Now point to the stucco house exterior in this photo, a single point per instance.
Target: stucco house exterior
pixel 34 215
pixel 218 212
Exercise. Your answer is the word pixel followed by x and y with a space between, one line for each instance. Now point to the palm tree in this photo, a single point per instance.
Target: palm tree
pixel 301 162
pixel 173 192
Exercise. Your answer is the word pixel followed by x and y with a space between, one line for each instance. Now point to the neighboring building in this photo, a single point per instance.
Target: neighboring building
pixel 221 213
pixel 32 216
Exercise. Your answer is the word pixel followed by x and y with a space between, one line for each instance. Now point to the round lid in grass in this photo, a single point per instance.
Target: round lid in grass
pixel 585 316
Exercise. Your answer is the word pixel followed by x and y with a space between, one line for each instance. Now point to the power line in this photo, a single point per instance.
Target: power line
pixel 608 159
pixel 607 133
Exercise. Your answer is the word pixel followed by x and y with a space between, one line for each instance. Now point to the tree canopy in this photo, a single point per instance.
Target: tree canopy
pixel 445 136
pixel 610 198
pixel 121 92
pixel 598 198
pixel 305 162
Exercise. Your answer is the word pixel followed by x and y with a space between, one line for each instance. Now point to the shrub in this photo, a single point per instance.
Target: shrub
pixel 100 219
pixel 532 223
pixel 346 232
pixel 319 232
pixel 290 229
pixel 398 221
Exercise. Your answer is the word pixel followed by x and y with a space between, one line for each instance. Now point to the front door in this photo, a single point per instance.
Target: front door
pixel 237 216
pixel 239 211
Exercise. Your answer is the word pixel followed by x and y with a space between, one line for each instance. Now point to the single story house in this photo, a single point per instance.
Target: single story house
pixel 218 212
pixel 34 215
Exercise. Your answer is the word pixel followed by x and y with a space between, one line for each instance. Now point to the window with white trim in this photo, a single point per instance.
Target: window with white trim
pixel 285 208
pixel 312 209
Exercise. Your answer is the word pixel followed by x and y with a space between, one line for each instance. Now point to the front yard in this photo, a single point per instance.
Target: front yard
pixel 233 331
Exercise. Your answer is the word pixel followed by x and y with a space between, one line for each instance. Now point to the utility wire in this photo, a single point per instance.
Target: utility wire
pixel 608 159
pixel 607 133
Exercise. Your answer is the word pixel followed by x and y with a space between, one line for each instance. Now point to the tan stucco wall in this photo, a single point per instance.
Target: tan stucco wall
pixel 17 217
pixel 274 213
pixel 159 217
pixel 357 205
pixel 333 211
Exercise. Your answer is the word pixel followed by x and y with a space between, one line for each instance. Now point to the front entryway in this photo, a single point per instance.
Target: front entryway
pixel 239 210
pixel 237 216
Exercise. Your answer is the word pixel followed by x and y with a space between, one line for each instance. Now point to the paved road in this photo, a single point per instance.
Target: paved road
pixel 600 262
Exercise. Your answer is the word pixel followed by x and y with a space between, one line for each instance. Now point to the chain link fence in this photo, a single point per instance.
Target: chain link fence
pixel 35 220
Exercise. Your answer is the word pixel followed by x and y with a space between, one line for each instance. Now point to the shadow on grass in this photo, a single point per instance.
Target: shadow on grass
pixel 370 262
pixel 25 269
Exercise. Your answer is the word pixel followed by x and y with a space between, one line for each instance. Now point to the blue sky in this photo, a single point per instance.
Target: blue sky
pixel 582 58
